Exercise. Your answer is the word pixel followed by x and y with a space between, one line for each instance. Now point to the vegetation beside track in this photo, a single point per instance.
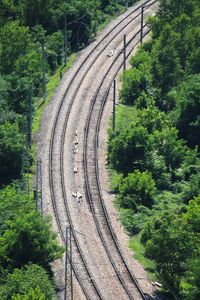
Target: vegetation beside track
pixel 27 245
pixel 155 157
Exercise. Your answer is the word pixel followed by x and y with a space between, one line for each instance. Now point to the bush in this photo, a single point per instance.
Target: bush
pixel 136 81
pixel 28 239
pixel 137 189
pixel 133 222
pixel 10 152
pixel 31 279
pixel 187 109
pixel 128 148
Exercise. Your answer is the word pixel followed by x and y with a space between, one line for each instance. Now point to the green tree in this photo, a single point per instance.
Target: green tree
pixel 5 113
pixel 127 149
pixel 167 145
pixel 28 239
pixel 31 295
pixel 169 246
pixel 14 42
pixel 152 119
pixel 188 121
pixel 190 286
pixel 171 9
pixel 38 12
pixel 13 201
pixel 28 283
pixel 136 189
pixel 173 242
pixel 136 81
pixel 10 152
pixel 156 164
pixel 132 221
pixel 55 43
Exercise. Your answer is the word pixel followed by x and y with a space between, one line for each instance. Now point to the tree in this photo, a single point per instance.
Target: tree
pixel 173 240
pixel 188 111
pixel 55 43
pixel 10 152
pixel 137 80
pixel 28 239
pixel 13 201
pixel 14 42
pixel 133 221
pixel 31 295
pixel 152 119
pixel 5 113
pixel 136 189
pixel 167 145
pixel 169 246
pixel 171 9
pixel 127 149
pixel 38 12
pixel 156 164
pixel 28 283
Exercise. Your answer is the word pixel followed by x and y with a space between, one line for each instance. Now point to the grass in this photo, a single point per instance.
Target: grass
pixel 115 178
pixel 124 116
pixel 139 254
pixel 50 88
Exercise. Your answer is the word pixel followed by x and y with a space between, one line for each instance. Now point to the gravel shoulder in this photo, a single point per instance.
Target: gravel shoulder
pixel 81 214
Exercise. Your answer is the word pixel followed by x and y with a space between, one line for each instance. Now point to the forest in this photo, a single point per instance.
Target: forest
pixel 155 156
pixel 27 244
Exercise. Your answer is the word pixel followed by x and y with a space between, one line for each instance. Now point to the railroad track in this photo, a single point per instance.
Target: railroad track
pixel 94 195
pixel 87 279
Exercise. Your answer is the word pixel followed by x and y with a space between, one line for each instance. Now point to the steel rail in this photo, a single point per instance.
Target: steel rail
pixel 98 182
pixel 51 155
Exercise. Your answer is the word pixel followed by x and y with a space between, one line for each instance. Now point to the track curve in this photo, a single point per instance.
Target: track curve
pixel 91 286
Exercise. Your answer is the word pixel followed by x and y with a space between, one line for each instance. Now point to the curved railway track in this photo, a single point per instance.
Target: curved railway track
pixel 58 189
pixel 97 202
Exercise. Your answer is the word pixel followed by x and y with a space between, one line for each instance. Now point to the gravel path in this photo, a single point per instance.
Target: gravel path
pixel 83 89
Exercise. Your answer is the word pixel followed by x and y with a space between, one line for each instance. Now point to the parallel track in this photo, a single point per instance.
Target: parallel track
pixel 51 175
pixel 92 203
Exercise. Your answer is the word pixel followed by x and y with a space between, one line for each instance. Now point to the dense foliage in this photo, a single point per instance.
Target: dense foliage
pixel 27 246
pixel 157 153
pixel 29 282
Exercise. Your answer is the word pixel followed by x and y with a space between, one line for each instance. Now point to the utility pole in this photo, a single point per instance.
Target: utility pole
pixel 39 186
pixel 66 251
pixel 65 41
pixel 141 31
pixel 95 19
pixel 35 198
pixel 114 93
pixel 43 71
pixel 124 54
pixel 30 117
pixel 25 155
pixel 126 4
pixel 41 193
